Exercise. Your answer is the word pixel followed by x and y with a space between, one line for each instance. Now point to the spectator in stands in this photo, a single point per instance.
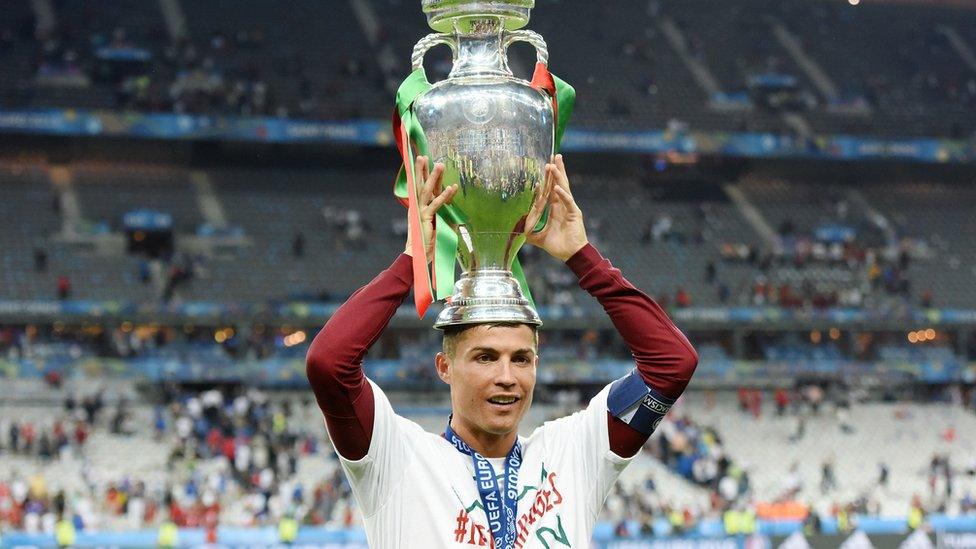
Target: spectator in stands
pixel 122 423
pixel 814 395
pixel 948 474
pixel 782 399
pixel 799 429
pixel 181 272
pixel 354 228
pixel 145 274
pixel 812 523
pixel 925 300
pixel 92 405
pixel 916 513
pixel 28 435
pixel 298 245
pixel 967 505
pixel 64 287
pixel 14 437
pixel 742 394
pixel 682 299
pixel 723 293
pixel 828 481
pixel 792 482
pixel 40 259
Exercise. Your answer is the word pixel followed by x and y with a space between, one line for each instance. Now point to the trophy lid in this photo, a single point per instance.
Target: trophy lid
pixel 443 15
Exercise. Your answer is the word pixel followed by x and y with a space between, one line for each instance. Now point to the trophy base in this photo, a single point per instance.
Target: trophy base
pixel 487 296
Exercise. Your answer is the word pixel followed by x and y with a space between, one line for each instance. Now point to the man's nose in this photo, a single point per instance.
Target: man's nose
pixel 506 373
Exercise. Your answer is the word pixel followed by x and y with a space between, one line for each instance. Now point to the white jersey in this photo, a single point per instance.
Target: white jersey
pixel 415 490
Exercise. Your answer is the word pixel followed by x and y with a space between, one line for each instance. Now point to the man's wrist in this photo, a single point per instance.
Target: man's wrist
pixel 584 260
pixel 576 249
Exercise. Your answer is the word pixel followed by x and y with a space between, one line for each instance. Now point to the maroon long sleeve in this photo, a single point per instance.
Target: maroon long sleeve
pixel 665 359
pixel 334 364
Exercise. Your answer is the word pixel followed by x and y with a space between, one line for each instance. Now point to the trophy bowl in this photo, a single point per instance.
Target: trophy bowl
pixel 494 133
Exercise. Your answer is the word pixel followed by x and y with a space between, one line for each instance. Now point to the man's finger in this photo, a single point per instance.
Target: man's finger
pixel 561 171
pixel 563 196
pixel 420 167
pixel 442 198
pixel 435 179
pixel 420 177
pixel 539 204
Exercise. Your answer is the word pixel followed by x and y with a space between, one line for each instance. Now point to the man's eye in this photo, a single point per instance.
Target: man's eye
pixel 522 359
pixel 483 358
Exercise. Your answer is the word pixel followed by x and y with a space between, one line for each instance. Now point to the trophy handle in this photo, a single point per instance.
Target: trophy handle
pixel 429 41
pixel 534 38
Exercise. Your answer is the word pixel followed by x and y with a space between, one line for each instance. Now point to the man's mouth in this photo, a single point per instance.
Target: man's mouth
pixel 507 400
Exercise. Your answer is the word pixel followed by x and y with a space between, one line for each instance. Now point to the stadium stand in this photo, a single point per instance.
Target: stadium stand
pixel 942 217
pixel 863 240
pixel 106 195
pixel 918 89
pixel 247 64
pixel 879 432
pixel 251 458
pixel 29 218
pixel 292 49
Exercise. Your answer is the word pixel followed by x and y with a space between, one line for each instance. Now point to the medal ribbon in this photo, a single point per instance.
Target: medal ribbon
pixel 500 509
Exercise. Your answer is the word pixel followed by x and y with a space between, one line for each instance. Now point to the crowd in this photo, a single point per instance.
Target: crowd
pixel 45 442
pixel 841 263
pixel 695 452
pixel 225 69
pixel 257 446
pixel 349 227
pixel 220 72
pixel 924 58
pixel 54 343
pixel 233 458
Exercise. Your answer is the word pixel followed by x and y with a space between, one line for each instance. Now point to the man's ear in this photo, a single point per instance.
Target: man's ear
pixel 443 365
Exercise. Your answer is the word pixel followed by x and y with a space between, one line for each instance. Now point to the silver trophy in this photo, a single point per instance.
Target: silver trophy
pixel 494 133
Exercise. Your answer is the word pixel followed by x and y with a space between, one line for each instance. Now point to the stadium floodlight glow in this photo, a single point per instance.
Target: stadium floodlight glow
pixel 912 337
pixel 853 2
pixel 294 339
pixel 930 334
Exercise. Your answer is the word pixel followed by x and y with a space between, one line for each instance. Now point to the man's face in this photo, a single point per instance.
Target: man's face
pixel 492 376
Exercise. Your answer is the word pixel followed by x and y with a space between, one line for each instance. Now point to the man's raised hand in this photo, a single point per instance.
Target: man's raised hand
pixel 430 199
pixel 565 233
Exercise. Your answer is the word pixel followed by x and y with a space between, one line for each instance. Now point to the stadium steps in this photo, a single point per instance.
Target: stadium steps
pixel 902 436
pixel 941 216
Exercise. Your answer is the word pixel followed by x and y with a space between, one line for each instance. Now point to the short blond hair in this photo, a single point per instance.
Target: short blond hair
pixel 452 334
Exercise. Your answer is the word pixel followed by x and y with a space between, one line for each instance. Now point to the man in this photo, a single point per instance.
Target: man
pixel 418 489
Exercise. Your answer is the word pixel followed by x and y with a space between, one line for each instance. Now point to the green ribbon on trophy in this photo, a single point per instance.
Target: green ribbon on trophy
pixel 438 283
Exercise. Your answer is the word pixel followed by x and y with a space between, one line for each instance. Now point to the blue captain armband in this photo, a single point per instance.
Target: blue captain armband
pixel 633 402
